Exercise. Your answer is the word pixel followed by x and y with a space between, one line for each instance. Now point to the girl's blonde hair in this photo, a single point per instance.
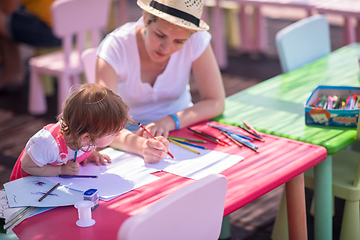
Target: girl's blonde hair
pixel 92 109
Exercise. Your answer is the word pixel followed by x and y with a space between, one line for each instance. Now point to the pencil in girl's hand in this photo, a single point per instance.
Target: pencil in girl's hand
pixel 142 126
pixel 50 191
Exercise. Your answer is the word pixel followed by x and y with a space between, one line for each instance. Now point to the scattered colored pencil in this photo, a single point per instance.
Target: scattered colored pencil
pixel 252 129
pixel 188 139
pixel 256 137
pixel 233 140
pixel 210 139
pixel 187 143
pixel 183 146
pixel 50 191
pixel 142 126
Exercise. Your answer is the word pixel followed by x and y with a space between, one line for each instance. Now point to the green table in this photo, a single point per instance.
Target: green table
pixel 276 106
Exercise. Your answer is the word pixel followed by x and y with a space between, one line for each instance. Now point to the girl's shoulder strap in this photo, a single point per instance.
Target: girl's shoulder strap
pixel 54 129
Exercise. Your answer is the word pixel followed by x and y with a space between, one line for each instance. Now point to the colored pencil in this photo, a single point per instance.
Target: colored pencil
pixel 256 137
pixel 208 134
pixel 253 135
pixel 252 129
pixel 188 139
pixel 50 191
pixel 78 176
pixel 75 154
pixel 244 143
pixel 142 126
pixel 233 140
pixel 187 143
pixel 183 146
pixel 209 138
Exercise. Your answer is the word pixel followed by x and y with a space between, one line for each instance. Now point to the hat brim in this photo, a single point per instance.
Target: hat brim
pixel 175 20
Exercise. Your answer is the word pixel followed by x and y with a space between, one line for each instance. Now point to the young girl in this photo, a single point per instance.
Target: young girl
pixel 93 116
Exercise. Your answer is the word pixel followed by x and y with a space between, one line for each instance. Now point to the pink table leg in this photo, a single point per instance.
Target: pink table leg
pixel 295 195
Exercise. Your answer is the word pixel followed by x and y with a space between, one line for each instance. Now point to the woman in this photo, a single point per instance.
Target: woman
pixel 148 63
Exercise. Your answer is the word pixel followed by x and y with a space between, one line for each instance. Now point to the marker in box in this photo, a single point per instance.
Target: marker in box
pixel 92 195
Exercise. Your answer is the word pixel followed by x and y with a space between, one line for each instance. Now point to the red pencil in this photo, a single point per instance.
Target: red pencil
pixel 142 126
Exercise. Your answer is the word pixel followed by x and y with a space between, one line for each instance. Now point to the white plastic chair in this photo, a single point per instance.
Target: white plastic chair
pixel 194 212
pixel 303 42
pixel 69 18
pixel 88 60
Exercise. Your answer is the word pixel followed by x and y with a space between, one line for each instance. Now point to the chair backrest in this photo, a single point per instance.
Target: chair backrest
pixel 303 42
pixel 88 60
pixel 193 212
pixel 76 18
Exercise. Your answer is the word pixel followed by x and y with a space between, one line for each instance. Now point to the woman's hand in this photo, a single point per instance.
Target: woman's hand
pixel 153 150
pixel 161 127
pixel 98 158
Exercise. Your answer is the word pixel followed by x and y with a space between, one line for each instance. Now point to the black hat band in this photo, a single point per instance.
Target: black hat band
pixel 175 12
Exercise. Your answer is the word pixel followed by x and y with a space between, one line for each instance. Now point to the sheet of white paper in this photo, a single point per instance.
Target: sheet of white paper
pixel 192 165
pixel 28 190
pixel 125 173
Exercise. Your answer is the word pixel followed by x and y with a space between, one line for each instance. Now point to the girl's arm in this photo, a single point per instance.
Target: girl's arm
pixel 29 166
pixel 209 83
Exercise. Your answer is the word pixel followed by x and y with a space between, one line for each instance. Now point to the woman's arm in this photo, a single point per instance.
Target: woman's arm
pixel 209 82
pixel 105 75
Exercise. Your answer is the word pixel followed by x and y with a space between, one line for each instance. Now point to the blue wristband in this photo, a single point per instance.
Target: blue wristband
pixel 176 120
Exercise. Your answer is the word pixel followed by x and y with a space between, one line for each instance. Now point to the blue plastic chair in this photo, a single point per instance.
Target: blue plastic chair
pixel 303 42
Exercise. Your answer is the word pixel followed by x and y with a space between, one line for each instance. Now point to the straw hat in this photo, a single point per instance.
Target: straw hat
pixel 184 13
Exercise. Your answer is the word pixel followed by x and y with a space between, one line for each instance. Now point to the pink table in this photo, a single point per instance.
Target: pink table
pixel 280 161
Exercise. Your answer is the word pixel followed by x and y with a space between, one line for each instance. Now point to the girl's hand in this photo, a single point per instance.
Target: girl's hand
pixel 98 158
pixel 70 168
pixel 155 150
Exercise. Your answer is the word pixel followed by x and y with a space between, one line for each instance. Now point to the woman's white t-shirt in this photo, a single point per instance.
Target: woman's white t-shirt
pixel 171 90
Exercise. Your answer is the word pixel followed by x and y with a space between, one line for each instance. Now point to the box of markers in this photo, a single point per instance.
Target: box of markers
pixel 333 106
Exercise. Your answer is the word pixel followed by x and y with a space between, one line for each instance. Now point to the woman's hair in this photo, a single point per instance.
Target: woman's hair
pixel 92 109
pixel 149 18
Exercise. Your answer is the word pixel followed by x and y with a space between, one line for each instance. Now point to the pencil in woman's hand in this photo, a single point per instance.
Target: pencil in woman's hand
pixel 142 126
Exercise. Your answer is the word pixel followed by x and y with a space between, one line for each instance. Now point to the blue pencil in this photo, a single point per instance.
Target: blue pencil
pixel 75 155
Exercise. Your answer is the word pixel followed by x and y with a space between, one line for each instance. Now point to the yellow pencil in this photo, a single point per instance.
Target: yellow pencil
pixel 181 145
